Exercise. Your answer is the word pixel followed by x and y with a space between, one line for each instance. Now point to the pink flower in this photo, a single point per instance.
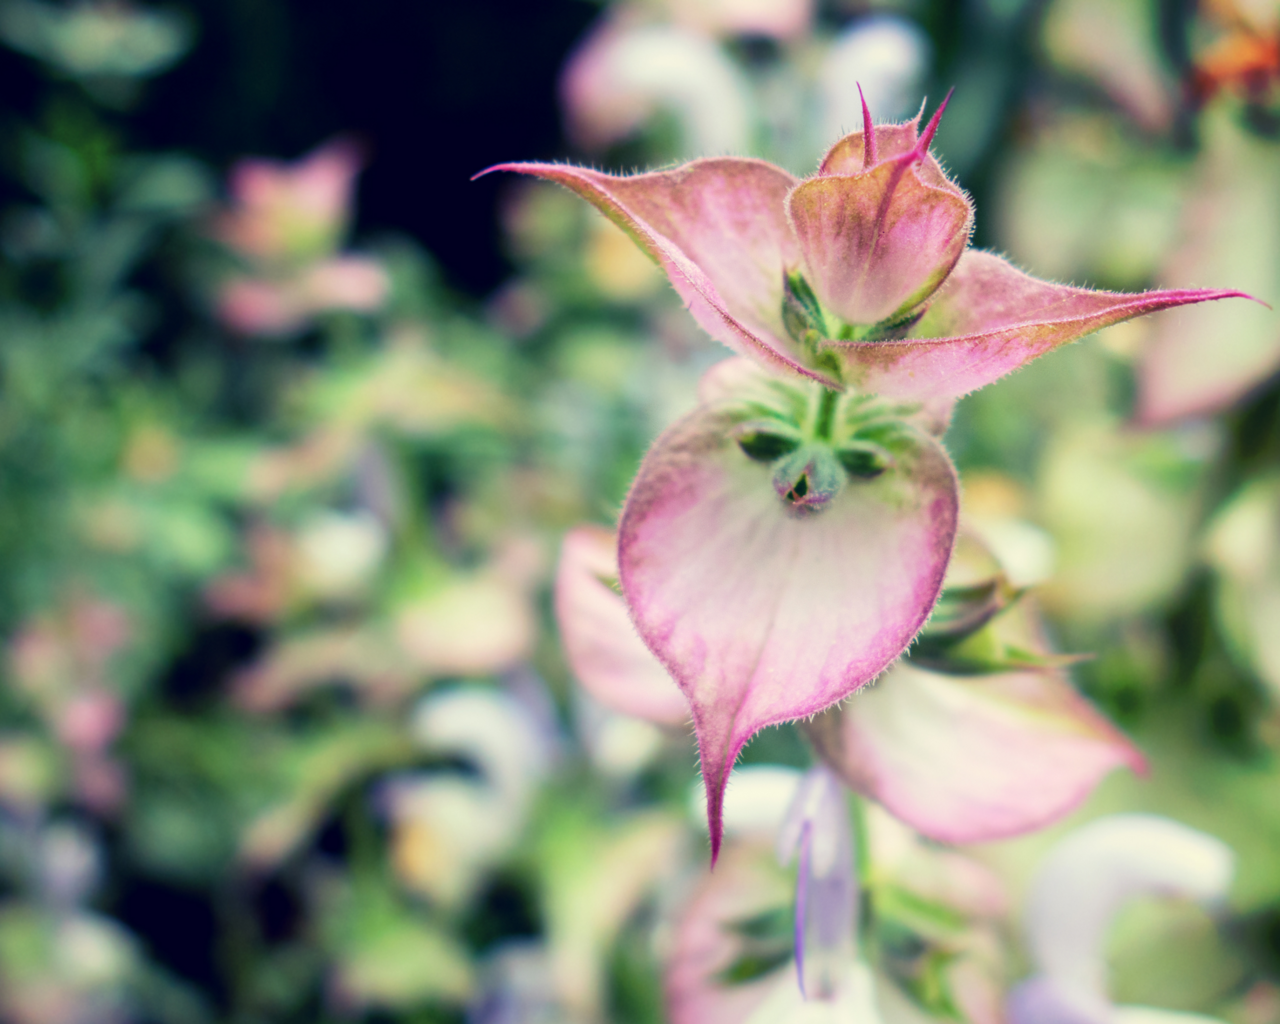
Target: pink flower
pixel 285 225
pixel 279 307
pixel 284 213
pixel 783 543
pixel 744 949
pixel 622 73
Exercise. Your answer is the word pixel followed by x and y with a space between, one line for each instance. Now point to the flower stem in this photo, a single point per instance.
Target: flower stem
pixel 826 414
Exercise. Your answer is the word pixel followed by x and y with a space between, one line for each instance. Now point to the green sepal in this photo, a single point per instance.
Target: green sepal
pixel 767 440
pixel 802 314
pixel 810 477
pixel 962 611
pixel 983 653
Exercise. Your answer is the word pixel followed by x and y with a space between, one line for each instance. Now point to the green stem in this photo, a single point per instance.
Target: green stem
pixel 826 414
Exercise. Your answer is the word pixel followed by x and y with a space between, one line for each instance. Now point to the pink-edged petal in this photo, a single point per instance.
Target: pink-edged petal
pixel 718 227
pixel 606 655
pixel 764 615
pixel 878 243
pixel 966 759
pixel 989 319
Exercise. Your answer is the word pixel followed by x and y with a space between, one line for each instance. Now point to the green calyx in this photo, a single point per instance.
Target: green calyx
pixel 820 441
pixel 810 326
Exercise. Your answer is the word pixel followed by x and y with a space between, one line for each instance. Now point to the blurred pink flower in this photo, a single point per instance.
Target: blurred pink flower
pixel 90 720
pixel 285 213
pixel 276 307
pixel 642 58
pixel 285 225
pixel 779 19
pixel 784 543
pixel 62 662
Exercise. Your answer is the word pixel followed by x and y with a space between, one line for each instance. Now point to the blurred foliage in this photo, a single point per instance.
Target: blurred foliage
pixel 285 730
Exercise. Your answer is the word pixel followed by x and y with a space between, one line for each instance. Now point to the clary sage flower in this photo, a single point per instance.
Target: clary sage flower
pixel 784 542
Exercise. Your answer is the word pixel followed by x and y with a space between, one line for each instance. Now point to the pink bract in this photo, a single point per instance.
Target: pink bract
pixel 970 759
pixel 1197 364
pixel 764 611
pixel 277 307
pixel 878 235
pixel 606 654
pixel 960 759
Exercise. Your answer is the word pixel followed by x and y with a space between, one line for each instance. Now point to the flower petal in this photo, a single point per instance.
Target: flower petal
pixel 878 243
pixel 1039 1001
pixel 763 615
pixel 607 657
pixel 817 833
pixel 966 759
pixel 987 320
pixel 718 227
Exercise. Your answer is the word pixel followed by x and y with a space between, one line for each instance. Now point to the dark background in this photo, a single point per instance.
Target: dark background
pixel 436 91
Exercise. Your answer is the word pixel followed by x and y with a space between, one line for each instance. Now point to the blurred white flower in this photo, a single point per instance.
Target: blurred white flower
pixel 619 745
pixel 623 74
pixel 887 56
pixel 70 864
pixel 449 827
pixel 339 552
pixel 1077 891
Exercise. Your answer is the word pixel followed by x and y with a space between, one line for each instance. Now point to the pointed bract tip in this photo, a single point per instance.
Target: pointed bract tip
pixel 1188 295
pixel 926 137
pixel 868 133
pixel 715 813
pixel 495 167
